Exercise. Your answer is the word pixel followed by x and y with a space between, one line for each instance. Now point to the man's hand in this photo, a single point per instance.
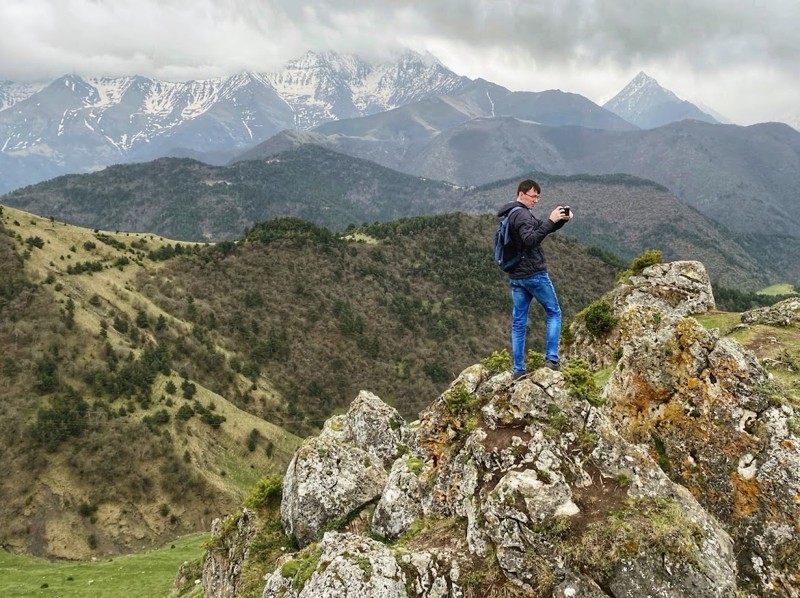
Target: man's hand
pixel 558 215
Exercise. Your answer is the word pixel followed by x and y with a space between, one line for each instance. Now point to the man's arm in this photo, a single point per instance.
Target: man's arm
pixel 532 231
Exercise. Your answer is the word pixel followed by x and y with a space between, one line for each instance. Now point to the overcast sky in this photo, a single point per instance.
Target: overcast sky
pixel 739 57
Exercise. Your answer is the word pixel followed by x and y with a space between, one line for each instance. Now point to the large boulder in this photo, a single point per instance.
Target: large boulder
pixel 343 469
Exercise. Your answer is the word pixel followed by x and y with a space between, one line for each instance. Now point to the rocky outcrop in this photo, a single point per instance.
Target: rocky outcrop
pixel 783 313
pixel 710 416
pixel 343 469
pixel 685 483
pixel 671 290
pixel 537 478
pixel 228 549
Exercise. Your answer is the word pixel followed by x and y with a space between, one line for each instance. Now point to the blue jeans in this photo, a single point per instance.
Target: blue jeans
pixel 523 291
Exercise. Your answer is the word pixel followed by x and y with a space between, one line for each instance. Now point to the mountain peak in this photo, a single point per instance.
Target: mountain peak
pixel 647 104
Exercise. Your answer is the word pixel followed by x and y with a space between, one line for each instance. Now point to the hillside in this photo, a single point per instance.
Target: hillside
pixel 727 172
pixel 102 451
pixel 187 200
pixel 627 215
pixel 191 201
pixel 140 375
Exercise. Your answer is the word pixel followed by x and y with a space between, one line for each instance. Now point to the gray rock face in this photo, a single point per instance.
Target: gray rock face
pixel 325 482
pixel 230 540
pixel 668 291
pixel 347 565
pixel 401 501
pixel 341 470
pixel 706 410
pixel 675 288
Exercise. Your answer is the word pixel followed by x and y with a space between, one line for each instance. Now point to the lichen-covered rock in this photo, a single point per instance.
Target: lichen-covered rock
pixel 680 288
pixel 665 291
pixel 371 425
pixel 343 469
pixel 401 502
pixel 230 543
pixel 326 481
pixel 706 409
pixel 348 565
pixel 542 474
pixel 783 313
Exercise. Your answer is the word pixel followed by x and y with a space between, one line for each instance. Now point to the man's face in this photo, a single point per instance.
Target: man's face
pixel 529 198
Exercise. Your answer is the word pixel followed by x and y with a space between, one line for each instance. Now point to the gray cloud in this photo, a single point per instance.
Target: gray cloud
pixel 707 48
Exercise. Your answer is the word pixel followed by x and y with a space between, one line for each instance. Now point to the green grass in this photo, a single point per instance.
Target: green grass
pixel 724 321
pixel 778 289
pixel 601 378
pixel 145 575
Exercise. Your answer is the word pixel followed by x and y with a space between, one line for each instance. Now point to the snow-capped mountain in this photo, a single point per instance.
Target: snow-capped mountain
pixel 11 92
pixel 646 104
pixel 322 87
pixel 77 124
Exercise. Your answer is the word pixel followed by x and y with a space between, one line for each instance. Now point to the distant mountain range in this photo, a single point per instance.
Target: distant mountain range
pixel 729 173
pixel 412 115
pixel 646 104
pixel 76 124
pixel 187 200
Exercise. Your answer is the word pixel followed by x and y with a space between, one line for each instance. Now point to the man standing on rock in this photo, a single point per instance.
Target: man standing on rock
pixel 529 279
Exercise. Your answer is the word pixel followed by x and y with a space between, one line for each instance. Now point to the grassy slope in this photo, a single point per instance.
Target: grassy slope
pixel 778 289
pixel 145 483
pixel 146 575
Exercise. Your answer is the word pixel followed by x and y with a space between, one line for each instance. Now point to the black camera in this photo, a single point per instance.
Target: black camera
pixel 565 210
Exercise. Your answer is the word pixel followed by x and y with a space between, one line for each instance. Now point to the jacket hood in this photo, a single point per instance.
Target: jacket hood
pixel 506 208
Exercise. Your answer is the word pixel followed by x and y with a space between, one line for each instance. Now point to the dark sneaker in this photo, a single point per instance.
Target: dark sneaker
pixel 518 375
pixel 552 365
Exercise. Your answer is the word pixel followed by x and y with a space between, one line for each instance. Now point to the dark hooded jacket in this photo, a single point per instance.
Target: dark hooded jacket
pixel 528 232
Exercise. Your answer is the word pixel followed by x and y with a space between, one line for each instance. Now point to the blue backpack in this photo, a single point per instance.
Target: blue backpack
pixel 506 255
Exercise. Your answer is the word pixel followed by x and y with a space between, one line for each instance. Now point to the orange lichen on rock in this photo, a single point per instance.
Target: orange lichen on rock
pixel 745 496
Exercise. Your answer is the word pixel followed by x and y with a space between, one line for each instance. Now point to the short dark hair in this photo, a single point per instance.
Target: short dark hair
pixel 527 185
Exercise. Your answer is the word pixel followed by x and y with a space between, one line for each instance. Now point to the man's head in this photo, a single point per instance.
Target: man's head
pixel 528 193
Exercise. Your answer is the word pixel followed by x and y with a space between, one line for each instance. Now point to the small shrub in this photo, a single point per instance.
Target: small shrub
pixel 648 258
pixel 252 440
pixel 35 242
pixel 301 569
pixel 459 398
pixel 534 361
pixel 581 383
pixel 497 362
pixel 599 318
pixel 265 494
pixel 86 509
